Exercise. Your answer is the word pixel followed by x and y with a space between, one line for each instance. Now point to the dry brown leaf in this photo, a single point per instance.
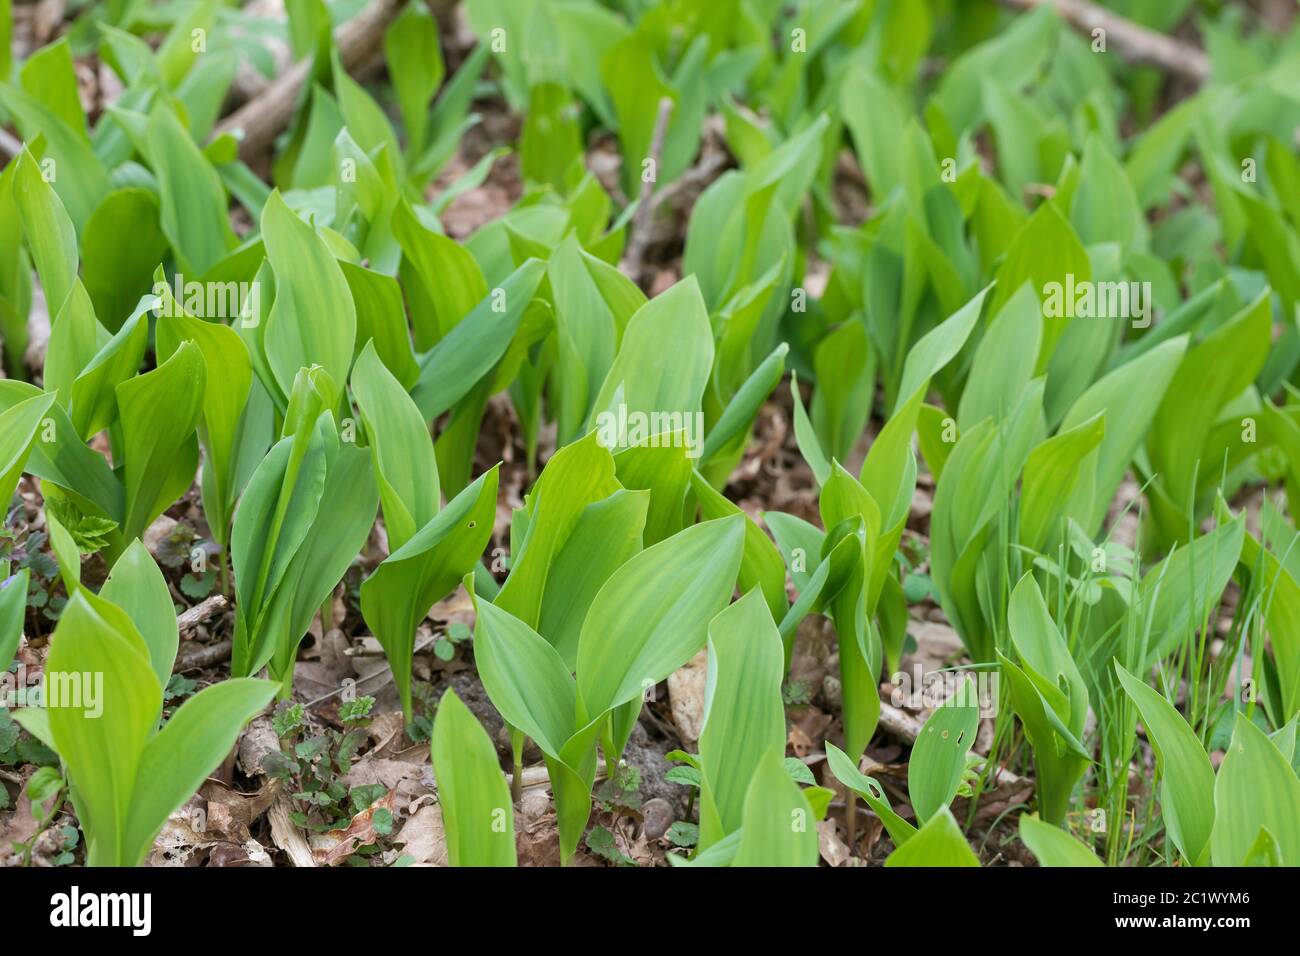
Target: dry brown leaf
pixel 537 836
pixel 423 837
pixel 337 845
pixel 832 849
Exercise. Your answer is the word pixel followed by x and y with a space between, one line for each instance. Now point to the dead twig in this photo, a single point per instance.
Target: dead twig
pixel 638 234
pixel 261 119
pixel 1135 43
pixel 899 723
pixel 205 610
pixel 206 656
pixel 9 146
pixel 903 726
pixel 692 182
pixel 285 833
pixel 209 654
pixel 532 777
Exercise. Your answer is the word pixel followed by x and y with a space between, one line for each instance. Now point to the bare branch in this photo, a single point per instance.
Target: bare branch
pixel 205 610
pixel 9 147
pixel 1135 43
pixel 261 119
pixel 637 241
pixel 209 654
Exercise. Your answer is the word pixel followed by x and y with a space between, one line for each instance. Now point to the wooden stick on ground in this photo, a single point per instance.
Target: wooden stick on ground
pixel 9 147
pixel 905 727
pixel 205 610
pixel 1135 43
pixel 261 119
pixel 633 260
pixel 285 832
pixel 209 654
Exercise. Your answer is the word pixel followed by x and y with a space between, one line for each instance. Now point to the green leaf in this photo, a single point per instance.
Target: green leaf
pixel 75 339
pixel 405 466
pixel 1211 374
pixel 636 84
pixel 159 412
pixel 1185 586
pixel 178 52
pixel 1059 757
pixel 1044 652
pixel 744 718
pixel 1186 776
pixel 1255 789
pixel 13 609
pixel 939 843
pixel 938 347
pixel 779 828
pixel 761 565
pixel 1126 423
pixel 1281 611
pixel 50 234
pixel 66 552
pixel 65 460
pixel 608 532
pixel 1012 57
pixel 661 465
pixel 453 367
pixel 525 677
pixel 1105 206
pixel 810 446
pixel 424 570
pixel 313 320
pixel 1020 129
pixel 19 424
pixel 121 246
pixel 651 615
pixel 846 772
pixel 1004 360
pixel 337 533
pixel 663 363
pixel 363 117
pixel 477 814
pixel 530 685
pixel 273 518
pixel 1052 471
pixel 74 170
pixel 138 587
pixel 1045 252
pixel 194 213
pixel 846 372
pixel 938 761
pixel 415 65
pixel 451 282
pixel 381 318
pixel 876 116
pixel 225 360
pixel 576 476
pixel 738 416
pixel 587 335
pixel 1053 846
pixel 191 746
pixel 551 138
pixel 93 390
pixel 101 711
pixel 6 36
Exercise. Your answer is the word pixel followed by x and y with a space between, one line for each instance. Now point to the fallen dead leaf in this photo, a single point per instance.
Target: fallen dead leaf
pixel 424 838
pixel 832 849
pixel 537 835
pixel 337 845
